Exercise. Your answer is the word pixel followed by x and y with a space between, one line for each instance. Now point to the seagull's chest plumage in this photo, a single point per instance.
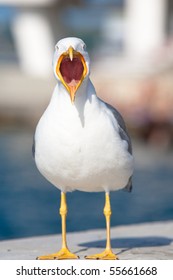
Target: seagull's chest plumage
pixel 79 147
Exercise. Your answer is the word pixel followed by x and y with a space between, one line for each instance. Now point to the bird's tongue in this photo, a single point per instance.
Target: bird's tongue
pixel 71 71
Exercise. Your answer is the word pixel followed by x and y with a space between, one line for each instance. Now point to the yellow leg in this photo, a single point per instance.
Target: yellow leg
pixel 107 254
pixel 64 253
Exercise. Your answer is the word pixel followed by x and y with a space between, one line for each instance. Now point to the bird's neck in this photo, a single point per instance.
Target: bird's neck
pixel 60 102
pixel 80 97
pixel 81 94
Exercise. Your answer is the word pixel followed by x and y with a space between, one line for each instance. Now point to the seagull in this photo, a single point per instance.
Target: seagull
pixel 81 143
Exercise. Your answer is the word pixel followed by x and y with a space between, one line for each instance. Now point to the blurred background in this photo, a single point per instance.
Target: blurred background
pixel 130 43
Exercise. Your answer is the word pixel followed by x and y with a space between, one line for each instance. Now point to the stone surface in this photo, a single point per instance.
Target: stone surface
pixel 148 241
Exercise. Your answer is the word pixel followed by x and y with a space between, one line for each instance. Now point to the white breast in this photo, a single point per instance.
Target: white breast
pixel 81 149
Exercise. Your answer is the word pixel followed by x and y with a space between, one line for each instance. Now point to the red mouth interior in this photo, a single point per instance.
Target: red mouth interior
pixel 71 71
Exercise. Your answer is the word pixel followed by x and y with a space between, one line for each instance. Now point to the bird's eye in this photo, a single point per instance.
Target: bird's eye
pixel 84 47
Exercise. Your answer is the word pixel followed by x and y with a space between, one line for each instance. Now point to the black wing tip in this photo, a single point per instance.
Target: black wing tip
pixel 129 186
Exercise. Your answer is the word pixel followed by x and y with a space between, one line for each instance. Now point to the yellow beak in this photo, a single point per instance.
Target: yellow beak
pixel 70 52
pixel 71 87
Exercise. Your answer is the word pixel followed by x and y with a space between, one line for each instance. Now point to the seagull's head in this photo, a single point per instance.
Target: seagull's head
pixel 71 64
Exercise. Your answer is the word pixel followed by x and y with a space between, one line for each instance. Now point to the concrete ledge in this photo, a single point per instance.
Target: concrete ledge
pixel 141 242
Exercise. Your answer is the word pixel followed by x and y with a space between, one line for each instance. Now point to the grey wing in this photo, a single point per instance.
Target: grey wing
pixel 124 136
pixel 122 127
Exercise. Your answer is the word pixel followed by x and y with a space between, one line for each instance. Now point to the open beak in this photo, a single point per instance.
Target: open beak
pixel 71 69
